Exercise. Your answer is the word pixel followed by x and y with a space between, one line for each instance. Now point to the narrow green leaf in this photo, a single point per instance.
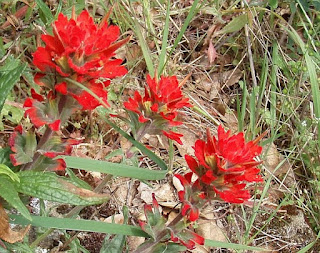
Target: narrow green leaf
pixel 7 80
pixel 4 169
pixel 48 17
pixel 9 194
pixel 235 24
pixel 229 245
pixel 312 73
pixel 165 35
pixel 115 169
pixel 79 225
pixel 49 186
pixel 191 14
pixel 310 245
pixel 144 47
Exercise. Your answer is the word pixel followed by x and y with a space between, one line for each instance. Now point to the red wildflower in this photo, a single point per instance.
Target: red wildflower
pixel 226 164
pixel 81 50
pixel 159 105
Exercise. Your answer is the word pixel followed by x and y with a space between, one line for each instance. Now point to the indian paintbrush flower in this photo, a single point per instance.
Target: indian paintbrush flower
pixel 82 51
pixel 159 106
pixel 226 164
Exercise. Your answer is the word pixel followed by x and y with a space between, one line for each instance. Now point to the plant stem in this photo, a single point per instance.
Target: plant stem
pixel 148 246
pixel 45 137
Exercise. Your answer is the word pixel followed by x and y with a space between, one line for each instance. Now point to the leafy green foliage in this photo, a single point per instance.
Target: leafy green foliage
pixel 49 186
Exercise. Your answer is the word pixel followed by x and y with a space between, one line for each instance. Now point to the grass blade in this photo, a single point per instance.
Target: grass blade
pixel 229 245
pixel 163 53
pixel 115 169
pixel 79 225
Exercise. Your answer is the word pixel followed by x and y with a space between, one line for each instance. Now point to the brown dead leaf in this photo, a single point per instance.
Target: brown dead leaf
pixel 212 53
pixel 232 121
pixel 188 140
pixel 272 160
pixel 84 193
pixel 227 78
pixel 117 218
pixel 6 233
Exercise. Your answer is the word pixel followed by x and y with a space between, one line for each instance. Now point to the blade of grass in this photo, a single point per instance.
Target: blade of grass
pixel 242 108
pixel 312 74
pixel 191 14
pixel 273 95
pixel 115 169
pixel 165 35
pixel 310 245
pixel 229 245
pixel 144 47
pixel 79 225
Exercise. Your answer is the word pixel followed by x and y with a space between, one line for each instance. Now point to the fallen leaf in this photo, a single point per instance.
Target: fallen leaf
pixel 212 53
pixel 117 218
pixel 6 233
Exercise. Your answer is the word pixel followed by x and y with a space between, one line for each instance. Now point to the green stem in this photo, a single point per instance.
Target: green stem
pixel 146 248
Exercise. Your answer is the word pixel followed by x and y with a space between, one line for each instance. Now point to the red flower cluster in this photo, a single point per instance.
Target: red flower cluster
pixel 224 166
pixel 159 105
pixel 83 51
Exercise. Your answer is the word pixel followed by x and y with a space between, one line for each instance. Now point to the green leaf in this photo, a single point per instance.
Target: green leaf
pixel 47 16
pixel 49 186
pixel 162 57
pixel 4 169
pixel 273 4
pixel 79 225
pixel 229 245
pixel 9 194
pixel 5 156
pixel 77 181
pixel 235 25
pixel 115 169
pixel 7 80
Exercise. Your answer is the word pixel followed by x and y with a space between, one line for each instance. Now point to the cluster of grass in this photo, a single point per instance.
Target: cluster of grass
pixel 274 43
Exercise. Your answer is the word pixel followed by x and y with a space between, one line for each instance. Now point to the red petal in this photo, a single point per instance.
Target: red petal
pixel 55 126
pixel 173 136
pixel 62 88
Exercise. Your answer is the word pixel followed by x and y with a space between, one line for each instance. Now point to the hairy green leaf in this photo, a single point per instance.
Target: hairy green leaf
pixel 4 169
pixel 49 186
